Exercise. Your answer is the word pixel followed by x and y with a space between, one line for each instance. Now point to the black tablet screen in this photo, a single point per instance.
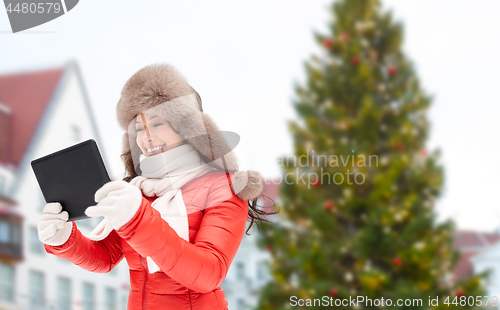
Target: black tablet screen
pixel 71 177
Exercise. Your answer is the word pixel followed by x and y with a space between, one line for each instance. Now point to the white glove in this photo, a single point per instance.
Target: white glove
pixel 54 228
pixel 118 201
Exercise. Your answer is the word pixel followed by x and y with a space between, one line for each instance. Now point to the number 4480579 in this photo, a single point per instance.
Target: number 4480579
pixel 470 301
pixel 34 8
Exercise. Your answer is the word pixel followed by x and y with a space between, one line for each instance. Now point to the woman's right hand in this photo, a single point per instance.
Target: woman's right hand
pixel 54 228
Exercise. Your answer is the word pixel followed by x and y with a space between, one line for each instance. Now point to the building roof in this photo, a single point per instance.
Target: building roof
pixel 469 243
pixel 27 95
pixel 468 240
pixel 9 211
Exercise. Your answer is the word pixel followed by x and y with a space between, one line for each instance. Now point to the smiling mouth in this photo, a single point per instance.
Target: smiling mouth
pixel 155 149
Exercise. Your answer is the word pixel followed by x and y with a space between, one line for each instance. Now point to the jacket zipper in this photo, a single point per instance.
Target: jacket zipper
pixel 144 288
pixel 190 305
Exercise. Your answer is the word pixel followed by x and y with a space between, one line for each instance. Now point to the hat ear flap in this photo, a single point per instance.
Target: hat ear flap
pixel 247 185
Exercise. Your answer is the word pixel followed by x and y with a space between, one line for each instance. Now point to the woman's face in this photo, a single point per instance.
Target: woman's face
pixel 154 135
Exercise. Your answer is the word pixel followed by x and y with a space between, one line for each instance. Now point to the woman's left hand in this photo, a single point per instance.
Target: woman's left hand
pixel 118 201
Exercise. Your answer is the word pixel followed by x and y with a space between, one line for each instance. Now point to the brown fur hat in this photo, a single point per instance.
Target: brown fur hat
pixel 149 89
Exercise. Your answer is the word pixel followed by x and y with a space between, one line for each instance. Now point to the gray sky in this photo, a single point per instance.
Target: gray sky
pixel 243 57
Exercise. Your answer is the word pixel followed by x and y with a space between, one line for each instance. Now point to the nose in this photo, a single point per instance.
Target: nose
pixel 146 137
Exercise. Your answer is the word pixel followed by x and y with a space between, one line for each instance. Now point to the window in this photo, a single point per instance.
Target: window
pixel 240 271
pixel 15 234
pixel 124 302
pixel 240 304
pixel 6 282
pixel 75 133
pixel 2 184
pixel 10 233
pixel 261 271
pixel 63 293
pixel 88 296
pixel 36 290
pixel 4 232
pixel 35 245
pixel 110 299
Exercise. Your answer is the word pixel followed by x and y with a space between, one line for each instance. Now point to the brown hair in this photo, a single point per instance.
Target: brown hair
pixel 258 215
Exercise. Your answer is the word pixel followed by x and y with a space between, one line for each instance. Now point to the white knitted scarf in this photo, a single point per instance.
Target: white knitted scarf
pixel 163 175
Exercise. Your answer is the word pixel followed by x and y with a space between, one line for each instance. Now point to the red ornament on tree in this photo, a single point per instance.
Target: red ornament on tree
pixel 329 205
pixel 315 182
pixel 269 248
pixel 459 292
pixel 345 37
pixel 397 261
pixel 328 43
pixel 423 153
pixel 333 292
pixel 392 70
pixel 400 146
pixel 355 60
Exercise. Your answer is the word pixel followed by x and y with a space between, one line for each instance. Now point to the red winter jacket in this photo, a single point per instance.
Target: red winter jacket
pixel 190 274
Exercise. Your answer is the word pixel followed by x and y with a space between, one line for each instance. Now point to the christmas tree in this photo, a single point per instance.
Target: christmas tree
pixel 358 194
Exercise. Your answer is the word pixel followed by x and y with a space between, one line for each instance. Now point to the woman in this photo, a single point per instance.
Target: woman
pixel 179 215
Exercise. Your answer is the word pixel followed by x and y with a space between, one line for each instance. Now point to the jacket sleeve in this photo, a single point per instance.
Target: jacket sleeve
pixel 200 266
pixel 96 256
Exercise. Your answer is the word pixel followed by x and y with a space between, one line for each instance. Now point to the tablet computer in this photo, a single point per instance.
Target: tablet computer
pixel 71 177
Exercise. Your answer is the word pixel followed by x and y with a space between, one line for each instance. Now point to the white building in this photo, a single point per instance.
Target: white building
pixel 40 113
pixel 247 274
pixel 489 259
pixel 483 255
pixel 249 270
